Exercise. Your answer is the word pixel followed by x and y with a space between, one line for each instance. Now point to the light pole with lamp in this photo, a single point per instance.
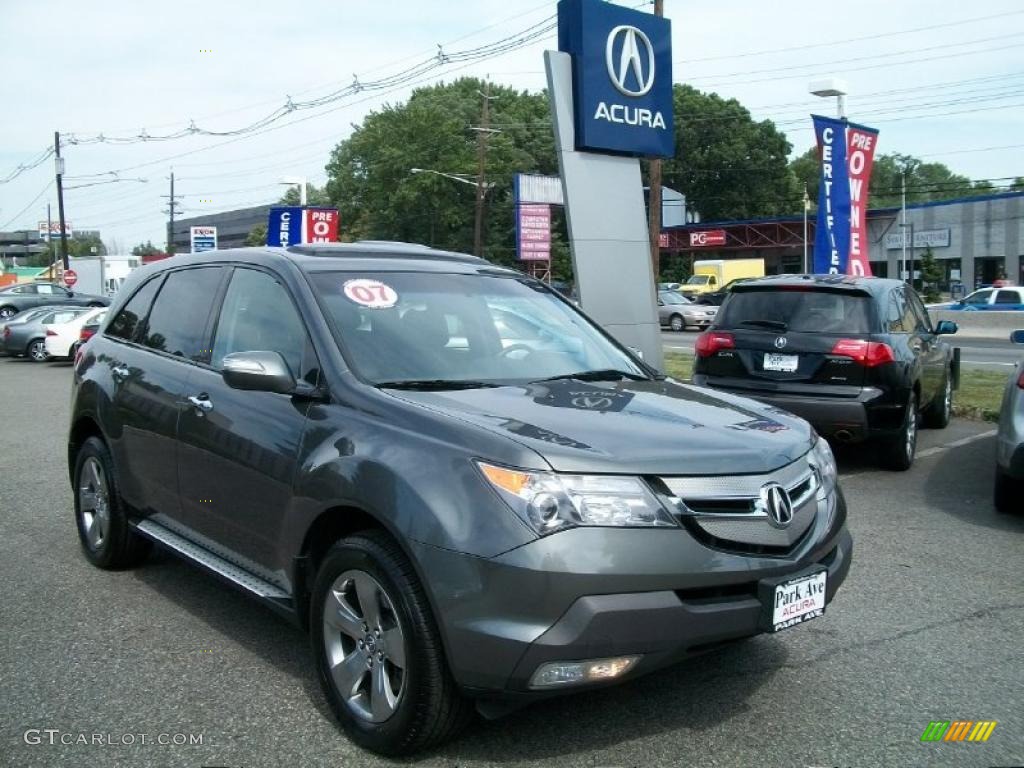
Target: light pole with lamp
pixel 297 181
pixel 827 88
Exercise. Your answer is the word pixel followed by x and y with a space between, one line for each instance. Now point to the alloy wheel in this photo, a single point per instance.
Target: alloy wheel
pixel 6 312
pixel 94 503
pixel 37 351
pixel 365 646
pixel 910 430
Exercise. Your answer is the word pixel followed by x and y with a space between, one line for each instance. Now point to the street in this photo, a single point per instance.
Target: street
pixel 927 627
pixel 975 352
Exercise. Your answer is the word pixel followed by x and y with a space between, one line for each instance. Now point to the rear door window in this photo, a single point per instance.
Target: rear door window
pixel 178 321
pixel 1007 297
pixel 799 311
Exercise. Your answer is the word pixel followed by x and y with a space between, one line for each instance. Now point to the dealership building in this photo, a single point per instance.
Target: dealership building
pixel 976 240
pixel 233 227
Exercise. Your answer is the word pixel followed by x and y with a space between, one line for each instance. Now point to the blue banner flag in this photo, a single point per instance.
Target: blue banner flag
pixel 284 226
pixel 832 234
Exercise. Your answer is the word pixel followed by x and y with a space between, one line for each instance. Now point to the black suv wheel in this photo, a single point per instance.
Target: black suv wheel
pixel 938 412
pixel 897 453
pixel 378 651
pixel 107 539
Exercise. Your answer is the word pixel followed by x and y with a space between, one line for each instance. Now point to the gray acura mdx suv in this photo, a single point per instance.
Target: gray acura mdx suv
pixel 464 489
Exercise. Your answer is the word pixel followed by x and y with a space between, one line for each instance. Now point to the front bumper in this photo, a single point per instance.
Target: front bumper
pixel 593 593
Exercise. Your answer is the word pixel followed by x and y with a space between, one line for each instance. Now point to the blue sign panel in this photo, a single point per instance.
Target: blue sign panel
pixel 622 77
pixel 832 233
pixel 285 226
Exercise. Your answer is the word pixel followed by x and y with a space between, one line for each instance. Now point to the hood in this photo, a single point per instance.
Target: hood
pixel 644 427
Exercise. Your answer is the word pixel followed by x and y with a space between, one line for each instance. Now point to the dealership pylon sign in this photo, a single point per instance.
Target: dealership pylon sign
pixel 610 84
pixel 292 225
pixel 841 237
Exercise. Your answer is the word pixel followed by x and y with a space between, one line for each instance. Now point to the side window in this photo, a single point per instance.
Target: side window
pixel 896 319
pixel 130 318
pixel 25 289
pixel 258 315
pixel 177 322
pixel 921 319
pixel 1007 297
pixel 49 290
pixel 979 298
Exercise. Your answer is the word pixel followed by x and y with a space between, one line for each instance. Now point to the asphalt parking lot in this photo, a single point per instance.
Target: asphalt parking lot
pixel 927 627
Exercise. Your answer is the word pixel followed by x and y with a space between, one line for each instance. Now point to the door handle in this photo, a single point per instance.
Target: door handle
pixel 202 402
pixel 120 372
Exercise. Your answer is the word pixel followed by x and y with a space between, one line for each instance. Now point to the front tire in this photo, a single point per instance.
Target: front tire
pixel 676 323
pixel 36 351
pixel 897 453
pixel 6 312
pixel 939 411
pixel 378 651
pixel 107 540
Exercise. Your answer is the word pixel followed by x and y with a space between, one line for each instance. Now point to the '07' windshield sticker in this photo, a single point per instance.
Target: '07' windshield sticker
pixel 370 293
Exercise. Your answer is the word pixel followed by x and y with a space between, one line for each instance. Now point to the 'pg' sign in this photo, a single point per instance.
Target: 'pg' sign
pixel 320 225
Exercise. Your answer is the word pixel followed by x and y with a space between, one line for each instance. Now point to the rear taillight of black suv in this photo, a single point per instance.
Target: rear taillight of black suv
pixel 867 353
pixel 709 342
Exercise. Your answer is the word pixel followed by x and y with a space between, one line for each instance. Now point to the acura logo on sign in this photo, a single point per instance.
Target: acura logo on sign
pixel 633 73
pixel 774 501
pixel 780 342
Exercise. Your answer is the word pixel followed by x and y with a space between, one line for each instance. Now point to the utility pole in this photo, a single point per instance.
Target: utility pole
pixel 483 133
pixel 59 167
pixel 903 225
pixel 49 235
pixel 172 208
pixel 654 198
pixel 807 207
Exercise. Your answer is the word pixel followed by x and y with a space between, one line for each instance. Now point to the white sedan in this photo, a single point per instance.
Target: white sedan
pixel 60 337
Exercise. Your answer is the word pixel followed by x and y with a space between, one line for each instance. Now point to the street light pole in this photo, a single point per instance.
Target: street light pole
pixel 807 207
pixel 903 234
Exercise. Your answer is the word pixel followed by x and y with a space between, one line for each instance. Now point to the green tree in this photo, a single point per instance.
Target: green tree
pixel 931 275
pixel 146 249
pixel 314 196
pixel 728 165
pixel 82 245
pixel 925 181
pixel 370 175
pixel 1017 185
pixel 257 235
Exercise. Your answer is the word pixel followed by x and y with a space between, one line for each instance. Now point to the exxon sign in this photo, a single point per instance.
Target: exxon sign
pixel 622 77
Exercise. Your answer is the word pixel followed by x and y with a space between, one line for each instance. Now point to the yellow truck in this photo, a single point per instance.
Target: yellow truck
pixel 714 274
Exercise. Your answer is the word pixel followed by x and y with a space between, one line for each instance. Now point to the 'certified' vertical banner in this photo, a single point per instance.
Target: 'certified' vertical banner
pixel 832 233
pixel 860 156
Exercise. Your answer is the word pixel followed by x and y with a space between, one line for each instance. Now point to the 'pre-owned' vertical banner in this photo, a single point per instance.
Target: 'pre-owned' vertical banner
pixel 832 233
pixel 860 156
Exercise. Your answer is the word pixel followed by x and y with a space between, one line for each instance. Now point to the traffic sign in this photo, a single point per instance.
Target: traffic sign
pixel 70 277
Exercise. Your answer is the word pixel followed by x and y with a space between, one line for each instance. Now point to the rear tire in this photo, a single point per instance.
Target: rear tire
pixel 1008 494
pixel 107 540
pixel 373 633
pixel 36 351
pixel 897 453
pixel 939 411
pixel 6 312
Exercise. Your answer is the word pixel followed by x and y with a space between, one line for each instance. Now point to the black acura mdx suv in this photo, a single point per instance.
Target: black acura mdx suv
pixel 858 357
pixel 464 488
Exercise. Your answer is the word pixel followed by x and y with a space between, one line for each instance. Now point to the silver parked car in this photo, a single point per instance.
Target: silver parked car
pixel 677 312
pixel 1009 490
pixel 24 334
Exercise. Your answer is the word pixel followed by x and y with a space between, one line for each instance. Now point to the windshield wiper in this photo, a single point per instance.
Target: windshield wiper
pixel 435 384
pixel 775 325
pixel 605 374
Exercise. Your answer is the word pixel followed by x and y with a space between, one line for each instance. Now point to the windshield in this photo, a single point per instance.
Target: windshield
pixel 415 326
pixel 803 311
pixel 672 298
pixel 698 280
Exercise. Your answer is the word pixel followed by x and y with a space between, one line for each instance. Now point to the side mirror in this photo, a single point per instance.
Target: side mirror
pixel 258 371
pixel 1017 337
pixel 946 328
pixel 661 303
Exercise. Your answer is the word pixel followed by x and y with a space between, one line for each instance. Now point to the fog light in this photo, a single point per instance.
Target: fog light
pixel 558 673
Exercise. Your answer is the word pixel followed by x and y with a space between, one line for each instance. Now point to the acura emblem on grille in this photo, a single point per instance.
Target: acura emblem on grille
pixel 774 501
pixel 780 342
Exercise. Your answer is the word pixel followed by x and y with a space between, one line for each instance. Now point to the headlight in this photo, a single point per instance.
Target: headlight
pixel 550 502
pixel 824 462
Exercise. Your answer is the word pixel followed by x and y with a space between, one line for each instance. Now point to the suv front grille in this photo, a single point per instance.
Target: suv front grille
pixel 722 511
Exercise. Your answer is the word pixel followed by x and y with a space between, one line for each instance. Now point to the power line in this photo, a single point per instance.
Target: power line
pixel 35 200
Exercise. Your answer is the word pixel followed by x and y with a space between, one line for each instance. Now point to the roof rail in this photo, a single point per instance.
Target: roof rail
pixel 381 249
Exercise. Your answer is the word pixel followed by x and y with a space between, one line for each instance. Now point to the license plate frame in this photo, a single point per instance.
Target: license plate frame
pixel 793 600
pixel 780 363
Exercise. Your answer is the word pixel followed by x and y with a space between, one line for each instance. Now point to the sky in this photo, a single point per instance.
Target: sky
pixel 941 80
